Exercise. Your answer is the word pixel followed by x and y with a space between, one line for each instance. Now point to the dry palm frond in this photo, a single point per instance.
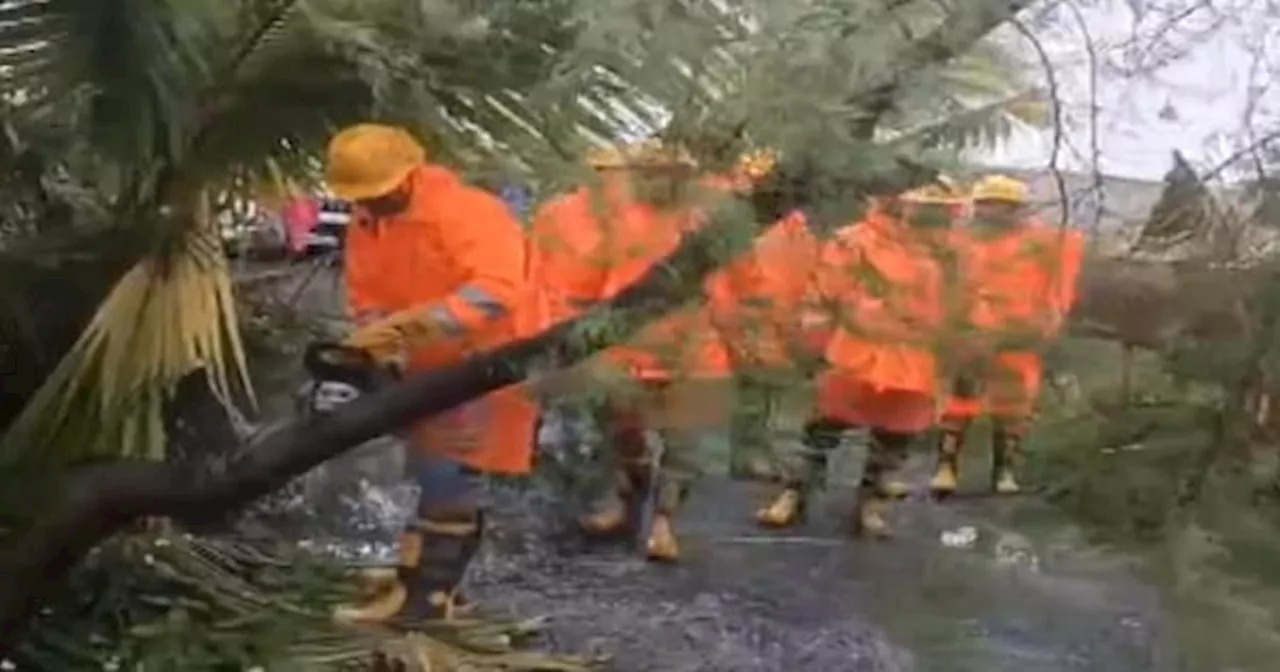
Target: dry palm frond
pixel 167 317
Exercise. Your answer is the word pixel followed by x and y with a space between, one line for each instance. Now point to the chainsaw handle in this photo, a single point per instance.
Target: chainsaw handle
pixel 322 357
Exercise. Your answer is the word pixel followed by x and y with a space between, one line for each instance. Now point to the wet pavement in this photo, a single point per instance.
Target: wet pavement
pixel 982 584
pixel 975 583
pixel 813 600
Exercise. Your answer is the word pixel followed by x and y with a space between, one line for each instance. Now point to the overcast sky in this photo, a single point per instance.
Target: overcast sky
pixel 1196 103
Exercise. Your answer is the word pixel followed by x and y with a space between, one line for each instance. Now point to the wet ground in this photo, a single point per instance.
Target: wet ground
pixel 976 583
pixel 969 585
pixel 813 600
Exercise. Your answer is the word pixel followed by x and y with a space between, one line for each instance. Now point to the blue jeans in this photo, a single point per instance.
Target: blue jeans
pixel 446 484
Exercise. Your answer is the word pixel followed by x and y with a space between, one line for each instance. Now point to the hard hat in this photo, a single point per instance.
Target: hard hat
pixel 757 164
pixel 942 192
pixel 650 153
pixel 370 160
pixel 1000 188
pixel 604 158
pixel 653 153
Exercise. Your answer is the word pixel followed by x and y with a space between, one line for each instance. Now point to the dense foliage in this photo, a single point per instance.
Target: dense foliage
pixel 125 118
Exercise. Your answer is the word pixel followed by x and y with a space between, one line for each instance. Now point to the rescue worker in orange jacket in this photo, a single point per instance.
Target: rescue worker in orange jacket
pixel 589 246
pixel 1021 283
pixel 435 271
pixel 885 280
pixel 754 303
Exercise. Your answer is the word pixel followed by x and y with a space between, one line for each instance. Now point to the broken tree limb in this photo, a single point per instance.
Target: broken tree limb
pixel 1149 303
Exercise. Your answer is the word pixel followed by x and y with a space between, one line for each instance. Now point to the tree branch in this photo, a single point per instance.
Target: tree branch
pixel 966 24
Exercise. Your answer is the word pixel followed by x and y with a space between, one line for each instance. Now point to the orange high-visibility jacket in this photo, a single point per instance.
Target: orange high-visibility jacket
pixel 759 301
pixel 1025 279
pixel 456 251
pixel 886 287
pixel 1021 281
pixel 567 261
pixel 590 245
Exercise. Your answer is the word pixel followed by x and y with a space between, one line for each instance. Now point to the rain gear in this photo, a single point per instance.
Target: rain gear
pixel 592 243
pixel 756 303
pixel 435 272
pixel 587 246
pixel 758 300
pixel 886 285
pixel 454 255
pixel 1022 284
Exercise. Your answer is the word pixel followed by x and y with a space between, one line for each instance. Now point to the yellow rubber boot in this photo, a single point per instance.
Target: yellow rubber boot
pixel 871 516
pixel 608 516
pixel 1006 457
pixel 893 488
pixel 662 545
pixel 945 480
pixel 383 592
pixel 376 581
pixel 784 511
pixel 434 556
pixel 946 475
pixel 1007 483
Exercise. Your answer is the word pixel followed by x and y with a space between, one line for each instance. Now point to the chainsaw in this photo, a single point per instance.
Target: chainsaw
pixel 338 374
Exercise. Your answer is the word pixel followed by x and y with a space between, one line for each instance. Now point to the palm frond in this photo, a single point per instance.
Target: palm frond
pixel 962 128
pixel 166 318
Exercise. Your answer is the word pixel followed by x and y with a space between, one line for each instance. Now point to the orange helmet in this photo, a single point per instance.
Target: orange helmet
pixel 370 160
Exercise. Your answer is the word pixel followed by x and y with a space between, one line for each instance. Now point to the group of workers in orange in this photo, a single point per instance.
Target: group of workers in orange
pixel 928 312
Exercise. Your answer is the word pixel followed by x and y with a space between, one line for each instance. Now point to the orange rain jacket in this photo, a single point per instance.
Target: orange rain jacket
pixel 1022 282
pixel 592 243
pixel 759 302
pixel 457 251
pixel 886 286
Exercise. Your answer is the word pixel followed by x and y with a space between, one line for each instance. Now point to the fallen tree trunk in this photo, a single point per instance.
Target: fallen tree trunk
pixel 1148 303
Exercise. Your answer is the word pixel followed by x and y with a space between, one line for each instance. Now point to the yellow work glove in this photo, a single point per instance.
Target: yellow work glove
pixel 386 339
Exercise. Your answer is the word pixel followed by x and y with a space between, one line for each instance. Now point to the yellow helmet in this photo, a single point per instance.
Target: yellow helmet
pixel 370 160
pixel 604 158
pixel 942 192
pixel 651 153
pixel 757 164
pixel 1000 188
